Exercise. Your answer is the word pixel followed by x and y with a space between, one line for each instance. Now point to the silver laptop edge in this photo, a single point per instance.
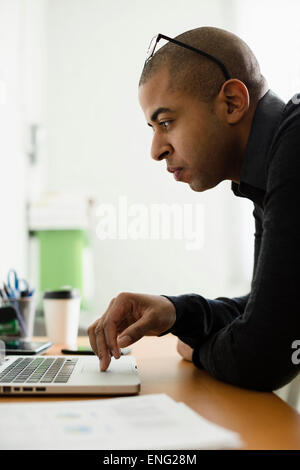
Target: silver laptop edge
pixel 121 378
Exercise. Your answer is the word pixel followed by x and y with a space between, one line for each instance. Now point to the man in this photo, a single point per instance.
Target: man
pixel 214 119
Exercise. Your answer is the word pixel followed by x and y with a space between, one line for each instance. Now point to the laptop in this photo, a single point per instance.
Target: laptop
pixel 67 375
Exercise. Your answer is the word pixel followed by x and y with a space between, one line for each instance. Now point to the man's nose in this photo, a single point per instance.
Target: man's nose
pixel 159 151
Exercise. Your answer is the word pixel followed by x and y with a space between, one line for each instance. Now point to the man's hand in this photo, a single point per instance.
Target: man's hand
pixel 184 350
pixel 128 318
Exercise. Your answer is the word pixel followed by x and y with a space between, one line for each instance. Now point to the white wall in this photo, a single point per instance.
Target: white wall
pixel 22 73
pixel 99 143
pixel 12 186
pixel 34 93
pixel 271 28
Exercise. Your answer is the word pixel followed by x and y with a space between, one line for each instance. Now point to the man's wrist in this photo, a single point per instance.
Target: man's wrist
pixel 172 328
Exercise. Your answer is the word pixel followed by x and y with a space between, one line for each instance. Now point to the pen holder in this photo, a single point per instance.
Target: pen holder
pixel 25 313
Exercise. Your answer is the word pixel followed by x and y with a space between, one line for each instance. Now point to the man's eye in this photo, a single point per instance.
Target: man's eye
pixel 164 124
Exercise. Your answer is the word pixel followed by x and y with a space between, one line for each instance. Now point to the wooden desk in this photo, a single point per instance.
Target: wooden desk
pixel 263 420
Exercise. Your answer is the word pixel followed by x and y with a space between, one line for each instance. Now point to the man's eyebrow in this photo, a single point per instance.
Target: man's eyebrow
pixel 159 111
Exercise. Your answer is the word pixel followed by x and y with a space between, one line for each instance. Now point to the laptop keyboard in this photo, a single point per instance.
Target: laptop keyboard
pixel 39 370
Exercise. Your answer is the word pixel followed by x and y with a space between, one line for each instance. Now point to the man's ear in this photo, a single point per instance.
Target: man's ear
pixel 235 100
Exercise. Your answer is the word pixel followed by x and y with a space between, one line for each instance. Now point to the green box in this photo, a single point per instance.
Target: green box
pixel 61 259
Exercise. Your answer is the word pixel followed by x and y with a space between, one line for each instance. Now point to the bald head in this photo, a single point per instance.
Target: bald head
pixel 201 77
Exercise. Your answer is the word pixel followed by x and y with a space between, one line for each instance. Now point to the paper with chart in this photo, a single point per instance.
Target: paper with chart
pixel 141 422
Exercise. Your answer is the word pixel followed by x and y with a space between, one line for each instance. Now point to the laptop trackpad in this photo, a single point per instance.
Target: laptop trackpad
pixel 119 370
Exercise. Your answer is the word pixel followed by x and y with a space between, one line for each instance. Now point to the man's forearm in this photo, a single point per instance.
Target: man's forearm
pixel 198 318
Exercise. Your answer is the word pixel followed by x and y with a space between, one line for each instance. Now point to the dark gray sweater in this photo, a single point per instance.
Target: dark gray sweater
pixel 247 341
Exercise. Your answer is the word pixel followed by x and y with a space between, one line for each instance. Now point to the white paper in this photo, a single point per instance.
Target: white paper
pixel 140 422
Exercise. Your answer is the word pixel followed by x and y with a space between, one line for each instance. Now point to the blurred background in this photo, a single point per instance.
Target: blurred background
pixel 72 136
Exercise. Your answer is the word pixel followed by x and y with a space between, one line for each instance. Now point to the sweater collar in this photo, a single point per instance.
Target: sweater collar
pixel 266 119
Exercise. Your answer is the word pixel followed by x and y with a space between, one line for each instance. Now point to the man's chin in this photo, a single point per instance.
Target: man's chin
pixel 201 186
pixel 196 186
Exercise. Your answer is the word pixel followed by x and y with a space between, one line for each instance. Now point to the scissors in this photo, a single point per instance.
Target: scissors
pixel 16 287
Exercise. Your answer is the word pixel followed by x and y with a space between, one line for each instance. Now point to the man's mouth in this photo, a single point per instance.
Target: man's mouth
pixel 177 171
pixel 177 174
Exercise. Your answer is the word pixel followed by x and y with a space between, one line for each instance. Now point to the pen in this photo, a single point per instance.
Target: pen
pixel 6 290
pixel 19 316
pixel 3 293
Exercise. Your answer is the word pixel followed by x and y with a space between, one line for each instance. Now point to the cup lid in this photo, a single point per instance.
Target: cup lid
pixel 62 294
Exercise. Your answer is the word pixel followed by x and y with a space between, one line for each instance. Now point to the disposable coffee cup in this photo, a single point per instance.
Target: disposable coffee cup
pixel 62 311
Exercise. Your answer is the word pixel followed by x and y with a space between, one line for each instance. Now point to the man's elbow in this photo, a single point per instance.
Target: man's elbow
pixel 262 381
